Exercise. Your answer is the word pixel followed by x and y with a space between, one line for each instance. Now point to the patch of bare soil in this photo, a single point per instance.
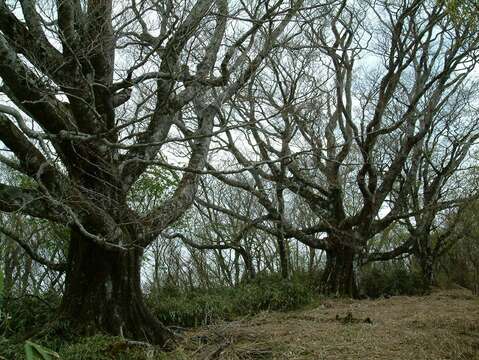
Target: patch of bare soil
pixel 443 325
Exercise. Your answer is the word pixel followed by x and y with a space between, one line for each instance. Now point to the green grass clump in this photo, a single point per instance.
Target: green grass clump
pixel 197 307
pixel 37 318
pixel 10 350
pixel 19 314
pixel 102 347
pixel 390 279
pixel 98 347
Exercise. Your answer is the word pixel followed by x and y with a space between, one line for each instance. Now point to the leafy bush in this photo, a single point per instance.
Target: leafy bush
pixel 192 308
pixel 33 351
pixel 204 306
pixel 10 350
pixel 390 279
pixel 270 292
pixel 101 347
pixel 20 314
pixel 98 347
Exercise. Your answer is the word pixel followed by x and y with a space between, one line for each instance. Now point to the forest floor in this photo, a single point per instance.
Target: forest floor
pixel 443 325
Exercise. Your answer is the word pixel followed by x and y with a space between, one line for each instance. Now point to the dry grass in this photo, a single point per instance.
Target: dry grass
pixel 444 325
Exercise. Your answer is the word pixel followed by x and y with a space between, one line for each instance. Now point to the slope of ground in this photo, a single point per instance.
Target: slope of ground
pixel 443 325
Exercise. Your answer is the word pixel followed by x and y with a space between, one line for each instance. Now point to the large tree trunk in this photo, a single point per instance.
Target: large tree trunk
pixel 103 292
pixel 283 257
pixel 250 271
pixel 338 276
pixel 311 259
pixel 427 271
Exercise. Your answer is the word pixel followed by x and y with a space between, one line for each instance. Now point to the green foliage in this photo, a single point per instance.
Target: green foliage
pixel 193 308
pixel 200 307
pixel 390 279
pixel 151 188
pixel 174 307
pixel 10 350
pixel 98 347
pixel 463 12
pixel 36 352
pixel 21 314
pixel 461 263
pixel 270 292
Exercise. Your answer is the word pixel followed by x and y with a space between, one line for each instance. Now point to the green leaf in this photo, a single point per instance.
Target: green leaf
pixel 36 352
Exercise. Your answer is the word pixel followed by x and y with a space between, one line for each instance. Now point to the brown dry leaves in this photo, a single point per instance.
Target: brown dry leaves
pixel 444 325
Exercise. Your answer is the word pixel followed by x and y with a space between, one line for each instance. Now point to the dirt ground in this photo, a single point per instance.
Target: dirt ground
pixel 443 325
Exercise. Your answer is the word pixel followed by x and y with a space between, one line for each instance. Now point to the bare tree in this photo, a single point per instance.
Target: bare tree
pixel 95 92
pixel 336 131
pixel 439 175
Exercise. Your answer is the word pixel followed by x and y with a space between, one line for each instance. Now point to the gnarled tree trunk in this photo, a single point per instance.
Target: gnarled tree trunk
pixel 427 271
pixel 250 271
pixel 283 257
pixel 103 292
pixel 338 276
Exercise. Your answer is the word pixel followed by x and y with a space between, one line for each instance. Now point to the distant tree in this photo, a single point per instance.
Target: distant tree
pixel 338 132
pixel 461 262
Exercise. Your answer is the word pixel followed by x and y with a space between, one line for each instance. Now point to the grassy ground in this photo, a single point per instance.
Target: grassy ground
pixel 443 325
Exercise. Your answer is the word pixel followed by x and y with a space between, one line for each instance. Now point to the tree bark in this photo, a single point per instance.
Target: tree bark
pixel 103 292
pixel 250 271
pixel 427 272
pixel 311 259
pixel 338 276
pixel 283 257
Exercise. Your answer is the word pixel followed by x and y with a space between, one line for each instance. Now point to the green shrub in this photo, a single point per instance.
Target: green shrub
pixel 270 292
pixel 20 315
pixel 34 351
pixel 204 306
pixel 98 347
pixel 101 347
pixel 10 350
pixel 192 308
pixel 390 279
